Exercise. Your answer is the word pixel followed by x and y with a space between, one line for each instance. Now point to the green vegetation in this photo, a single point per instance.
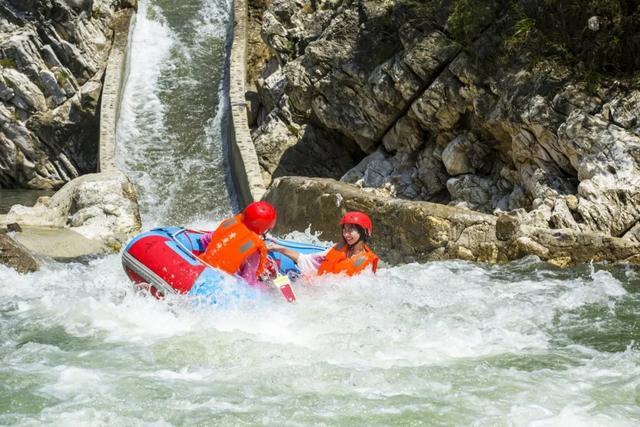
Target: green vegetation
pixel 290 48
pixel 468 18
pixel 293 130
pixel 97 13
pixel 61 77
pixel 462 20
pixel 8 63
pixel 559 31
pixel 308 8
pixel 523 28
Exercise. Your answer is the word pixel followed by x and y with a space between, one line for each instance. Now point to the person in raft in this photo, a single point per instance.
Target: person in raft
pixel 237 246
pixel 351 256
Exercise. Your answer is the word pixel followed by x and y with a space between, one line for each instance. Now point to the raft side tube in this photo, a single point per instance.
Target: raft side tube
pixel 285 264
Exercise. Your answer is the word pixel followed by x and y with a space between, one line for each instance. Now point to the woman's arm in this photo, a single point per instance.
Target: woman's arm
pixel 285 251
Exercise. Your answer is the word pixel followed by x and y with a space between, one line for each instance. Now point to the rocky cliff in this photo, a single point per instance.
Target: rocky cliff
pixel 528 106
pixel 52 58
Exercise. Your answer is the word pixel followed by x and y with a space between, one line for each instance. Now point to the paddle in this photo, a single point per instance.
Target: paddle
pixel 283 284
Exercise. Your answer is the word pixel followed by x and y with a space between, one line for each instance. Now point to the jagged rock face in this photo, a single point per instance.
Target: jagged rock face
pixel 447 110
pixel 52 58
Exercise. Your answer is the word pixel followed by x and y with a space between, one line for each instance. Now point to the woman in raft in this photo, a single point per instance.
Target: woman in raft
pixel 350 256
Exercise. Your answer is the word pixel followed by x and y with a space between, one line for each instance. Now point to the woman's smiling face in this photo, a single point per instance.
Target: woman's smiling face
pixel 350 234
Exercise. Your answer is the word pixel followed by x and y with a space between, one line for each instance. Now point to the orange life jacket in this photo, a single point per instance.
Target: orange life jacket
pixel 337 261
pixel 231 243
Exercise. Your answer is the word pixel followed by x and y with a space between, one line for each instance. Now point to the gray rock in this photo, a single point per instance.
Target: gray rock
pixel 282 145
pixel 405 231
pixel 271 87
pixel 475 190
pixel 449 123
pixel 47 139
pixel 16 256
pixel 50 58
pixel 51 87
pixel 464 154
pixel 24 89
pixel 100 207
pixel 507 226
pixel 6 93
pixel 623 112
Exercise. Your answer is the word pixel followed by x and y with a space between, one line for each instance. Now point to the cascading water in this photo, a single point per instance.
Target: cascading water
pixel 173 111
pixel 441 343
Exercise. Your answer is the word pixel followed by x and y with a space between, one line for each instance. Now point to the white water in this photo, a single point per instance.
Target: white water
pixel 436 344
pixel 443 343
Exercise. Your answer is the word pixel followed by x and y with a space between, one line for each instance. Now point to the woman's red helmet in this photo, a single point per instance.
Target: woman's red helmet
pixel 358 218
pixel 259 217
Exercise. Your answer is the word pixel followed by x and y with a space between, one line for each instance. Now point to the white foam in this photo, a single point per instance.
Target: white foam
pixel 74 381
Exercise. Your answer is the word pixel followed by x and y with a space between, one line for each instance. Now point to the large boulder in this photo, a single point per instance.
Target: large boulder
pixel 403 231
pixel 100 210
pixel 406 231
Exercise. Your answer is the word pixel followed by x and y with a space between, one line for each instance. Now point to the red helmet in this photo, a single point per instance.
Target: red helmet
pixel 358 218
pixel 259 217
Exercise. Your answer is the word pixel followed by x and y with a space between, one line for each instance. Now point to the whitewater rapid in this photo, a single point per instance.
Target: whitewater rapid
pixel 445 343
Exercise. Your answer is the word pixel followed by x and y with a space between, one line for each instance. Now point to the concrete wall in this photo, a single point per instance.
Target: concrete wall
pixel 245 168
pixel 114 78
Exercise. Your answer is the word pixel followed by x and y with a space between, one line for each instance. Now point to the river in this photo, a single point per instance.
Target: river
pixel 438 344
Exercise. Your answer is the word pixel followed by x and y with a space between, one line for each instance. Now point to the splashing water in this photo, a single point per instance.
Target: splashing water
pixel 444 343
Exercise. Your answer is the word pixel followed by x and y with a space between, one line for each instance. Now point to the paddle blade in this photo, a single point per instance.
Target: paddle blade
pixel 284 285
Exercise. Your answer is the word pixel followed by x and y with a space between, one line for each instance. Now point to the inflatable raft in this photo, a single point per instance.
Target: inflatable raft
pixel 166 261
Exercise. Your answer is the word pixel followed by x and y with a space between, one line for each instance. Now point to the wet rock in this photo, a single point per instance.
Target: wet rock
pixel 403 231
pixel 14 226
pixel 530 247
pixel 16 256
pixel 507 226
pixel 407 231
pixel 488 253
pixel 100 207
pixel 561 262
pixel 462 253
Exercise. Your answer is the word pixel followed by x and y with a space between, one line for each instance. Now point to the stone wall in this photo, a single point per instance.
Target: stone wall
pixel 244 161
pixel 115 76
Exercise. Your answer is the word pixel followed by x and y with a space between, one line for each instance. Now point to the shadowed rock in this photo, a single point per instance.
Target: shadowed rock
pixel 16 256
